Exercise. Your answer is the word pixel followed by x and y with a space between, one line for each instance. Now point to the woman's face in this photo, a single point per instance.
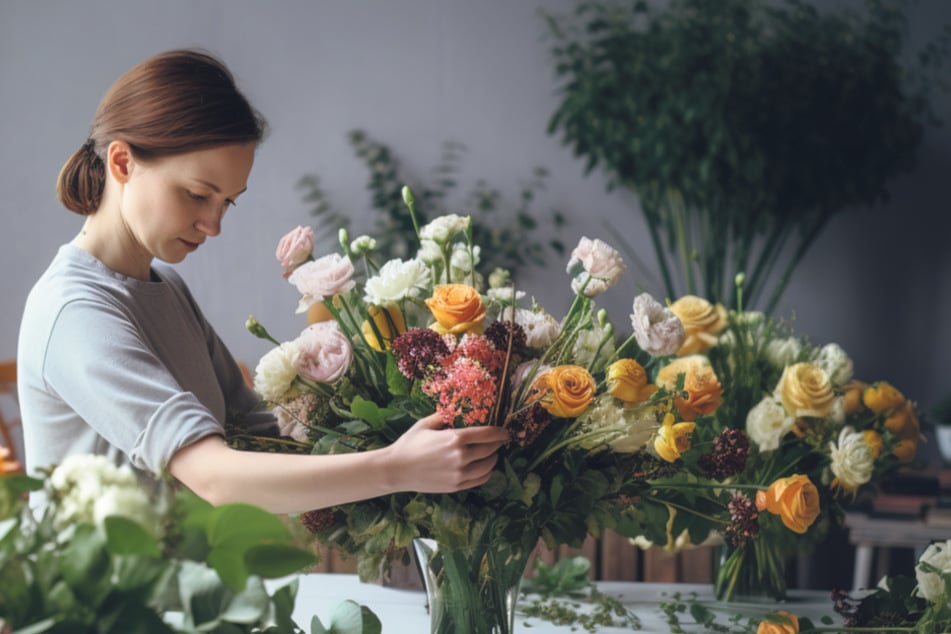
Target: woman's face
pixel 172 204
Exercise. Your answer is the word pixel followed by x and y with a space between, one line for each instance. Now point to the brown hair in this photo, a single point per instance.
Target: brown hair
pixel 173 102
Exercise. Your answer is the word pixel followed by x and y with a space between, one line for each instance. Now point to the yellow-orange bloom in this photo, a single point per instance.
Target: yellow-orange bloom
pixel 627 381
pixel 795 499
pixel 853 397
pixel 704 392
pixel 673 438
pixel 702 323
pixel 389 323
pixel 805 390
pixel 873 440
pixel 791 625
pixel 566 390
pixel 905 449
pixel 904 422
pixel 457 308
pixel 7 463
pixel 881 397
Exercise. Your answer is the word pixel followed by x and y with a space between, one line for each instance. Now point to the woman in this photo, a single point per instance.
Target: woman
pixel 114 355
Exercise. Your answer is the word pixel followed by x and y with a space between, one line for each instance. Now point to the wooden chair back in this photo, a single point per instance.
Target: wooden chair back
pixel 8 387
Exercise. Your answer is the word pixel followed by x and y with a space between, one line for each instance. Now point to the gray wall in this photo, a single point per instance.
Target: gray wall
pixel 414 73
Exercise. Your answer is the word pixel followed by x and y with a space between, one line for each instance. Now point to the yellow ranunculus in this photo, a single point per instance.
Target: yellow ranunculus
pixel 704 391
pixel 795 499
pixel 805 390
pixel 673 438
pixel 873 440
pixel 457 308
pixel 791 626
pixel 905 449
pixel 852 396
pixel 881 397
pixel 627 381
pixel 904 422
pixel 389 323
pixel 702 323
pixel 566 390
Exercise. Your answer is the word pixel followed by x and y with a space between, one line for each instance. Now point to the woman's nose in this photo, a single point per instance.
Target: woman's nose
pixel 209 222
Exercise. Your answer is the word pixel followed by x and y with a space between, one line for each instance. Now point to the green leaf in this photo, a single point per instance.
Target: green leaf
pixel 249 606
pixel 349 617
pixel 277 560
pixel 85 565
pixel 232 530
pixel 127 537
pixel 370 411
pixel 202 593
pixel 396 382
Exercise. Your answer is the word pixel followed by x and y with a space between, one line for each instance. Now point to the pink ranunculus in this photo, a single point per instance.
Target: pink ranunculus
pixel 294 248
pixel 322 278
pixel 325 352
pixel 601 262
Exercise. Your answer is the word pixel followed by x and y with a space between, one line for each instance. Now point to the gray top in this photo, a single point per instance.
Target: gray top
pixel 111 365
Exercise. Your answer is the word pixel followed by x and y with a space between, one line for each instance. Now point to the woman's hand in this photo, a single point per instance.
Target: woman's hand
pixel 431 458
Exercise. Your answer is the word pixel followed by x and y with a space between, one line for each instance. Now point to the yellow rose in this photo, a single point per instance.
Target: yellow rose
pixel 873 441
pixel 702 322
pixel 457 308
pixel 389 323
pixel 566 390
pixel 791 626
pixel 905 449
pixel 672 438
pixel 704 392
pixel 627 381
pixel 795 499
pixel 882 396
pixel 805 390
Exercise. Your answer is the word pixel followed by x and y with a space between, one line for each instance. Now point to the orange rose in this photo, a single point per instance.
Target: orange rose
pixel 795 499
pixel 627 381
pixel 882 396
pixel 566 390
pixel 704 392
pixel 790 626
pixel 702 323
pixel 673 438
pixel 389 323
pixel 457 308
pixel 805 390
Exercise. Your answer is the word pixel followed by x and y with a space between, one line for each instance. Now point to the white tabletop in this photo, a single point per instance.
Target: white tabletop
pixel 404 611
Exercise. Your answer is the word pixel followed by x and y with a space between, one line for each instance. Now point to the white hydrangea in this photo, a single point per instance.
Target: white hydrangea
pixel 836 363
pixel 276 371
pixel 444 228
pixel 767 423
pixel 783 352
pixel 851 460
pixel 396 280
pixel 90 487
pixel 931 585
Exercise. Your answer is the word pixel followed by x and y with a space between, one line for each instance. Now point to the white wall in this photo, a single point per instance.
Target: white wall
pixel 414 73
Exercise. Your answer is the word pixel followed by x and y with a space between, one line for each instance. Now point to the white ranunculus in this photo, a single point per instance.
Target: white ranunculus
pixel 602 266
pixel 396 280
pixel 657 330
pixel 930 584
pixel 541 329
pixel 276 371
pixel 767 423
pixel 851 461
pixel 783 352
pixel 444 228
pixel 836 363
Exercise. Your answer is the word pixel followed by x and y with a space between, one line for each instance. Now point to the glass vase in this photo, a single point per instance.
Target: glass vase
pixel 754 572
pixel 472 587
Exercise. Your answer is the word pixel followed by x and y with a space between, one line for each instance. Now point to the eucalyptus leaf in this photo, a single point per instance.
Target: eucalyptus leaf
pixel 127 537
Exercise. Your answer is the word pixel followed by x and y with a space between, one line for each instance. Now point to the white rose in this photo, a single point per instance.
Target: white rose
pixel 852 462
pixel 657 330
pixel 767 423
pixel 541 329
pixel 783 352
pixel 276 371
pixel 836 363
pixel 930 584
pixel 322 278
pixel 396 280
pixel 444 228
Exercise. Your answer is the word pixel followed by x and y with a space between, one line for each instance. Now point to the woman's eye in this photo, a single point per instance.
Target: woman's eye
pixel 198 197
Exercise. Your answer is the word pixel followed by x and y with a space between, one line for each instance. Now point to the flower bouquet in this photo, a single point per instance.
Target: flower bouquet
pixel 406 338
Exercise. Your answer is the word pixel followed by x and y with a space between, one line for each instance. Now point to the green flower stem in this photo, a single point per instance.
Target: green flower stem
pixel 697 485
pixel 686 509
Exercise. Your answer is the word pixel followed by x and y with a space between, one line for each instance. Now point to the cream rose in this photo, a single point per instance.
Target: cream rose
pixel 702 322
pixel 767 423
pixel 930 584
pixel 805 390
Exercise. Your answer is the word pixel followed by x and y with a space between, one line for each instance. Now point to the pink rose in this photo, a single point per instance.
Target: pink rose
pixel 602 265
pixel 294 248
pixel 319 279
pixel 325 352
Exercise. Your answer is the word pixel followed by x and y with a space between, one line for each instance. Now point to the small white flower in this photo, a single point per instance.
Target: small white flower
pixel 541 329
pixel 444 228
pixel 504 296
pixel 276 371
pixel 429 252
pixel 127 501
pixel 767 423
pixel 783 352
pixel 396 280
pixel 657 330
pixel 852 462
pixel 931 586
pixel 836 363
pixel 362 244
pixel 461 258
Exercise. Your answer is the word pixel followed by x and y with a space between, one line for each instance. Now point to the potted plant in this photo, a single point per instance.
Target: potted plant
pixel 742 126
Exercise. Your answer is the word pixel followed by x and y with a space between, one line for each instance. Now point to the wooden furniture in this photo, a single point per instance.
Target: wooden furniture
pixel 10 430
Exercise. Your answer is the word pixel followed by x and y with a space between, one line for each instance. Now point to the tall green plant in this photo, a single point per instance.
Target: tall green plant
pixel 741 125
pixel 508 240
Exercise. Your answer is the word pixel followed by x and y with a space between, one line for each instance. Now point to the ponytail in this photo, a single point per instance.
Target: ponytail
pixel 82 180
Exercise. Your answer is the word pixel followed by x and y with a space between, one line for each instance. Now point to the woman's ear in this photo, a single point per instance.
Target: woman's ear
pixel 119 161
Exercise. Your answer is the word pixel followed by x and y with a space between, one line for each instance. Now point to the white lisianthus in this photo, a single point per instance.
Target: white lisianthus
pixel 462 260
pixel 602 265
pixel 429 252
pixel 276 371
pixel 444 228
pixel 851 461
pixel 657 330
pixel 836 363
pixel 541 329
pixel 783 352
pixel 767 423
pixel 396 280
pixel 362 244
pixel 931 585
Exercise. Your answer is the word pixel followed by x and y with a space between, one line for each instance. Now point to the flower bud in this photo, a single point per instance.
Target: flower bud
pixel 408 196
pixel 343 237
